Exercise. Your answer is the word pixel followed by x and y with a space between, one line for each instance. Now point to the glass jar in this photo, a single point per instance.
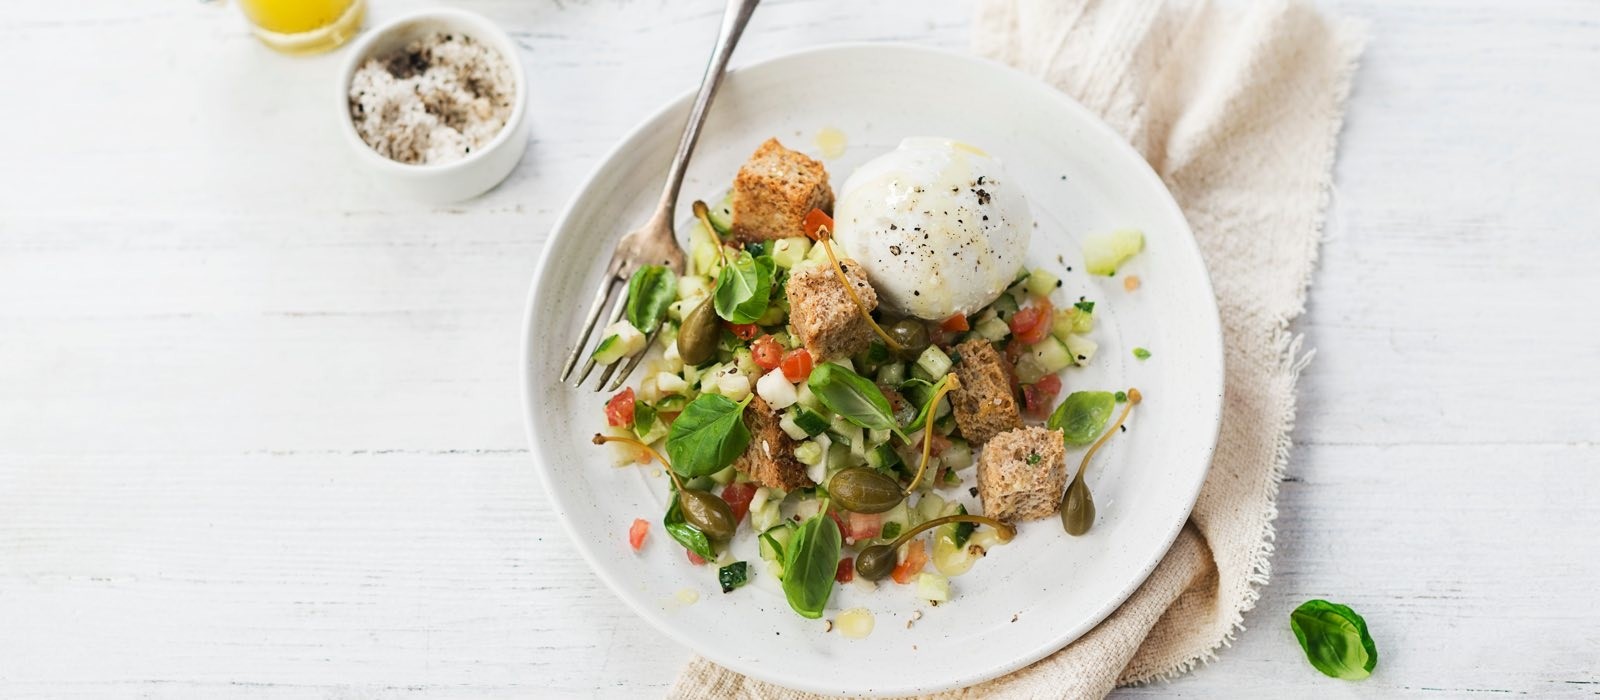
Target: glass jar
pixel 304 26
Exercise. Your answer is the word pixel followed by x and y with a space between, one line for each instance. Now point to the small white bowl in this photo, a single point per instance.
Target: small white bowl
pixel 456 180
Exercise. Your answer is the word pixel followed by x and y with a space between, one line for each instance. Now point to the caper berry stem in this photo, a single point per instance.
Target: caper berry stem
pixel 1083 510
pixel 949 383
pixel 601 439
pixel 1006 530
pixel 825 238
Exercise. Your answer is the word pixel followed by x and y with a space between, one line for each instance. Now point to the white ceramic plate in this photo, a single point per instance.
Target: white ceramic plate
pixel 1026 599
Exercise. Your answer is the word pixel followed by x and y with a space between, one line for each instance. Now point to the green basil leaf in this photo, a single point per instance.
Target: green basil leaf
pixel 1082 416
pixel 927 404
pixel 651 290
pixel 687 535
pixel 852 396
pixel 744 287
pixel 707 436
pixel 733 576
pixel 1335 639
pixel 644 418
pixel 809 565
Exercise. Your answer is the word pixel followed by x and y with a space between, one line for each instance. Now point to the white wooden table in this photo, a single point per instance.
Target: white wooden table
pixel 259 423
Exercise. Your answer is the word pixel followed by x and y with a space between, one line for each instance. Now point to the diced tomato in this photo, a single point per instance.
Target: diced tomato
pixel 797 365
pixel 955 323
pixel 744 331
pixel 696 559
pixel 619 410
pixel 1038 397
pixel 846 571
pixel 815 222
pixel 738 497
pixel 915 559
pixel 863 526
pixel 940 444
pixel 766 352
pixel 1032 324
pixel 1013 352
pixel 839 520
pixel 641 527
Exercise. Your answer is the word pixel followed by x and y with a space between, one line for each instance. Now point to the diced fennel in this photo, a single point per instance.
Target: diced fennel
pixel 932 587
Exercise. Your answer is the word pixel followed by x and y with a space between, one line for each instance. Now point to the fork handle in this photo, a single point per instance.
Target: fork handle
pixel 734 18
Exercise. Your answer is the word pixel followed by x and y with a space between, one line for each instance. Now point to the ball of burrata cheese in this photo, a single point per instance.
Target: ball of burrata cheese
pixel 938 226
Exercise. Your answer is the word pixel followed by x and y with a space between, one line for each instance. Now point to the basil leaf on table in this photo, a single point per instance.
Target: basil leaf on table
pixel 707 436
pixel 744 286
pixel 651 290
pixel 927 402
pixel 687 535
pixel 852 396
pixel 1335 639
pixel 1082 416
pixel 809 565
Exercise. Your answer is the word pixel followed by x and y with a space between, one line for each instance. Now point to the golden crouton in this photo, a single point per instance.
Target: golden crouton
pixel 1021 474
pixel 774 191
pixel 823 315
pixel 770 460
pixel 984 406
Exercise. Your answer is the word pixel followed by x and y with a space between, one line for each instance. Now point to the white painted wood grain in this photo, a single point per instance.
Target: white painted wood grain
pixel 259 432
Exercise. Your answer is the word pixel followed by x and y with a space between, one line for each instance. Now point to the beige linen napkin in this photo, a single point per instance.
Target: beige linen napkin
pixel 1238 108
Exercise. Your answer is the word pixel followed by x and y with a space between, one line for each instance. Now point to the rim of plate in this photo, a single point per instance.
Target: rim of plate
pixel 1067 635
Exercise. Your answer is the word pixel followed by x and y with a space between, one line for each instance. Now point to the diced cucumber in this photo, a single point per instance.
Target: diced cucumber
pixel 810 421
pixel 773 316
pixel 788 252
pixel 1041 283
pixel 721 215
pixel 655 430
pixel 892 374
pixel 694 287
pixel 671 404
pixel 1005 306
pixel 809 452
pixel 929 507
pixel 992 329
pixel 1071 320
pixel 895 521
pixel 608 351
pixel 934 361
pixel 725 476
pixel 818 255
pixel 703 255
pixel 1103 254
pixel 883 457
pixel 958 455
pixel 621 340
pixel 786 422
pixel 934 588
pixel 878 437
pixel 1051 355
pixel 1081 349
pixel 669 383
pixel 951 556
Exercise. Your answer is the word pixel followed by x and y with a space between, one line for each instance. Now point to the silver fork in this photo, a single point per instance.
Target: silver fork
pixel 655 242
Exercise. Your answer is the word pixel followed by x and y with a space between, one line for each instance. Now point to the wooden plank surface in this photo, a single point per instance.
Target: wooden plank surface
pixel 259 423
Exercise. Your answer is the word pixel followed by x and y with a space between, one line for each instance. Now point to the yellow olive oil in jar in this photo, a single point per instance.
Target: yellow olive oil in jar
pixel 304 26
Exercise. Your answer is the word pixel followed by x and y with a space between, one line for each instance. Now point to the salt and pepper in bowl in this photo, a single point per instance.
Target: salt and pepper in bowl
pixel 435 102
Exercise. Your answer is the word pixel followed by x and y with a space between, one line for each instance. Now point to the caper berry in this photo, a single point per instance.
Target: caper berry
pixel 863 490
pixel 699 334
pixel 1077 508
pixel 875 562
pixel 912 337
pixel 707 513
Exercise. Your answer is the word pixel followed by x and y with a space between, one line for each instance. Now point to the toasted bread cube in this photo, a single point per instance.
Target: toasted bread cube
pixel 774 191
pixel 983 404
pixel 824 316
pixel 770 460
pixel 1021 474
